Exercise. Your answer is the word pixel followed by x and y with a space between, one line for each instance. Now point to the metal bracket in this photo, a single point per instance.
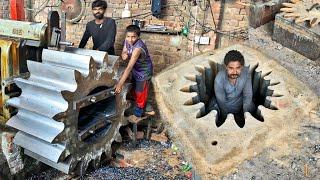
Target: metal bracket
pixel 91 99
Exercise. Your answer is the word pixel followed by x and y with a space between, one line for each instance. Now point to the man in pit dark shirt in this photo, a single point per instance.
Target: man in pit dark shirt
pixel 101 29
pixel 233 88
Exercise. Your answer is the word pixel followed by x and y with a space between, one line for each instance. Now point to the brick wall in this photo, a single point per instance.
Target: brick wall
pixel 233 19
pixel 166 49
pixel 262 12
pixel 4 9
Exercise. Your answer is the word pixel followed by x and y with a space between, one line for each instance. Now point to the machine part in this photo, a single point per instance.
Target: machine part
pixel 53 27
pixel 63 33
pixel 74 8
pixel 9 67
pixel 19 41
pixel 24 30
pixel 306 10
pixel 68 115
pixel 66 43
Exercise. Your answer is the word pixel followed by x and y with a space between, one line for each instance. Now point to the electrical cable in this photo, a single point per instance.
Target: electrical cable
pixel 214 21
pixel 234 33
pixel 120 18
pixel 37 10
pixel 205 4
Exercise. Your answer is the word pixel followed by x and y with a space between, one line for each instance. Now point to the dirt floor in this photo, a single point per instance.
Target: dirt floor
pixel 148 160
pixel 301 165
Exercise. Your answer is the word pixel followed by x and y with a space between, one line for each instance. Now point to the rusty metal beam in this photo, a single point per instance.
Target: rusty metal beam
pixel 9 68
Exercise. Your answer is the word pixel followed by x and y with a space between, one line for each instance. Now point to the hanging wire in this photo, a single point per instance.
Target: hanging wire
pixel 37 10
pixel 203 4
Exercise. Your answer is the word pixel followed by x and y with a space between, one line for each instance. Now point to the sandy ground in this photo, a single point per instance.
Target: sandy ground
pixel 304 164
pixel 148 160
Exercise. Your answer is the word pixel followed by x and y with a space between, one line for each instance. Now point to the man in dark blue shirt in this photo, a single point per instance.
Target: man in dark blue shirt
pixel 233 87
pixel 101 29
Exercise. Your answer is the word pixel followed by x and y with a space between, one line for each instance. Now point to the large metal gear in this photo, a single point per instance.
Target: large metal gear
pixel 303 10
pixel 68 115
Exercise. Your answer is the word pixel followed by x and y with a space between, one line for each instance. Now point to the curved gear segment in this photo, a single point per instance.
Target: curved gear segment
pixel 303 10
pixel 68 115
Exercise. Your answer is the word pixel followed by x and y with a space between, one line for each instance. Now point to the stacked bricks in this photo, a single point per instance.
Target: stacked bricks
pixel 166 49
pixel 233 20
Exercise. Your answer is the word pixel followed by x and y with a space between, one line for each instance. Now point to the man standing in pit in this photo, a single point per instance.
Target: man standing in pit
pixel 233 89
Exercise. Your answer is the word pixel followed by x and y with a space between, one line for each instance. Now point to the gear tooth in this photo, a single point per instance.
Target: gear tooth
pixel 270 104
pixel 194 88
pixel 201 112
pixel 295 1
pixel 314 22
pixel 253 68
pixel 299 20
pixel 288 4
pixel 67 82
pixel 287 9
pixel 188 102
pixel 266 74
pixel 185 89
pixel 192 101
pixel 200 69
pixel 291 15
pixel 191 77
pixel 100 57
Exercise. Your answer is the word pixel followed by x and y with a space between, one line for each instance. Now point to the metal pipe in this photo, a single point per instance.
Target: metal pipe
pixel 29 13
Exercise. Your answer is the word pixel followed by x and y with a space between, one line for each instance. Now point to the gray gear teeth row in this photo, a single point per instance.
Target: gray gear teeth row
pixel 50 104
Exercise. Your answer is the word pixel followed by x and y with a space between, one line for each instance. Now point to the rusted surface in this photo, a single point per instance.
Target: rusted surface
pixel 24 30
pixel 9 68
pixel 74 9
